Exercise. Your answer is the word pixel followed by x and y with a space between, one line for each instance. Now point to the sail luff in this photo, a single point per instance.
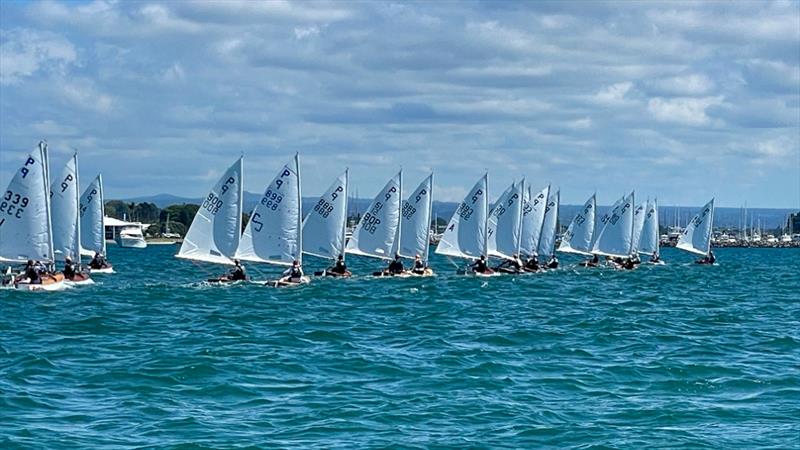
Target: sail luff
pixel 521 209
pixel 430 213
pixel 299 250
pixel 346 205
pixel 102 212
pixel 77 256
pixel 486 219
pixel 48 208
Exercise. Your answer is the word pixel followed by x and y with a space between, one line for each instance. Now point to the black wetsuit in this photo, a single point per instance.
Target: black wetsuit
pixel 339 268
pixel 532 264
pixel 98 262
pixel 553 264
pixel 480 266
pixel 395 267
pixel 238 274
pixel 69 271
pixel 295 273
pixel 32 275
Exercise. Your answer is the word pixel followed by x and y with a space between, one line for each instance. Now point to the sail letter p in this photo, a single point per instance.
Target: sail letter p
pixel 24 171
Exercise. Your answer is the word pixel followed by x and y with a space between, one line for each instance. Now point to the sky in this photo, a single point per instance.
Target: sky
pixel 683 101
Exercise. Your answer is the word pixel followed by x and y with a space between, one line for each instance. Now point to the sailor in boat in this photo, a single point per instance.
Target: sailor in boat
pixel 237 273
pixel 480 266
pixel 395 267
pixel 510 265
pixel 293 274
pixel 418 267
pixel 69 268
pixel 708 259
pixel 339 269
pixel 532 264
pixel 654 258
pixel 98 262
pixel 30 274
pixel 628 264
pixel 553 263
pixel 594 262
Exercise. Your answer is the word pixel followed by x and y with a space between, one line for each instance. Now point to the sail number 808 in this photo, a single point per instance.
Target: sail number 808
pixel 212 203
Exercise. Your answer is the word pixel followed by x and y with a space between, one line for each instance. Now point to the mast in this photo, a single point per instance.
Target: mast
pixel 102 211
pixel 633 220
pixel 711 228
pixel 521 201
pixel 399 214
pixel 428 234
pixel 346 198
pixel 46 167
pixel 299 256
pixel 78 215
pixel 486 218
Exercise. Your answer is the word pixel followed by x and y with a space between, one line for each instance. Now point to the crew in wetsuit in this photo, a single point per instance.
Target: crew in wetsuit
pixel 708 259
pixel 594 262
pixel 628 264
pixel 69 268
pixel 553 263
pixel 293 274
pixel 395 267
pixel 237 273
pixel 532 265
pixel 419 266
pixel 98 262
pixel 480 266
pixel 338 269
pixel 31 273
pixel 512 264
pixel 655 258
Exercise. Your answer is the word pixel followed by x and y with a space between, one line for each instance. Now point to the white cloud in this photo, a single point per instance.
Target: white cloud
pixel 684 85
pixel 25 52
pixel 301 33
pixel 614 94
pixel 83 94
pixel 686 111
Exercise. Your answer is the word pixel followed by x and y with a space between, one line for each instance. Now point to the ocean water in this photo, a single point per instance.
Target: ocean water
pixel 677 355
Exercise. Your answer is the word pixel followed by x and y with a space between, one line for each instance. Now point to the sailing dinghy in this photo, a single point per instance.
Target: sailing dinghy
pixel 64 207
pixel 696 237
pixel 379 227
pixel 466 233
pixel 533 211
pixel 547 239
pixel 26 232
pixel 638 226
pixel 649 240
pixel 414 228
pixel 214 234
pixel 615 236
pixel 92 226
pixel 504 228
pixel 325 227
pixel 274 233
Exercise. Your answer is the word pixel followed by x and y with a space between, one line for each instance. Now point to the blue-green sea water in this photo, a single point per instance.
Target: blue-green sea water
pixel 679 355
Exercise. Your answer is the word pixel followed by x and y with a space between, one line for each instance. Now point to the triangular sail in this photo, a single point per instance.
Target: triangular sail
pixel 696 237
pixel 578 237
pixel 415 221
pixel 465 235
pixel 599 224
pixel 614 238
pixel 25 231
pixel 505 221
pixel 638 225
pixel 648 242
pixel 215 230
pixel 64 202
pixel 93 234
pixel 377 230
pixel 532 221
pixel 272 234
pixel 325 225
pixel 547 241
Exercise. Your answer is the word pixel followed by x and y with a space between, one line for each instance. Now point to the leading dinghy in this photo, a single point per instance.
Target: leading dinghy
pixel 214 234
pixel 378 229
pixel 92 227
pixel 26 231
pixel 466 233
pixel 696 237
pixel 64 206
pixel 414 228
pixel 273 235
pixel 325 227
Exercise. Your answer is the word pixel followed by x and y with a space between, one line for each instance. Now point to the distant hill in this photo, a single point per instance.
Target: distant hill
pixel 725 217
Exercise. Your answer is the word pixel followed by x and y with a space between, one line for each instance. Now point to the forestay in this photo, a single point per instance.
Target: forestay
pixel 638 225
pixel 696 237
pixel 93 235
pixel 25 231
pixel 505 222
pixel 614 238
pixel 532 221
pixel 64 203
pixel 214 233
pixel 377 230
pixel 324 227
pixel 648 242
pixel 465 235
pixel 273 233
pixel 415 221
pixel 547 242
pixel 578 237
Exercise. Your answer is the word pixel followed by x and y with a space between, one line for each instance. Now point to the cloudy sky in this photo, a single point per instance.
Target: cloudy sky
pixel 681 100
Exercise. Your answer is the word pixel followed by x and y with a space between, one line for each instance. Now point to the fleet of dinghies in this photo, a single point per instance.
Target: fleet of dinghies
pixel 44 222
pixel 47 222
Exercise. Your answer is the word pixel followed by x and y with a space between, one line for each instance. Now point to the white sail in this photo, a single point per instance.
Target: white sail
pixel 614 238
pixel 638 225
pixel 696 237
pixel 377 230
pixel 64 202
pixel 648 241
pixel 505 222
pixel 532 221
pixel 272 234
pixel 547 241
pixel 415 221
pixel 25 230
pixel 599 224
pixel 324 227
pixel 465 235
pixel 214 233
pixel 578 237
pixel 93 234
